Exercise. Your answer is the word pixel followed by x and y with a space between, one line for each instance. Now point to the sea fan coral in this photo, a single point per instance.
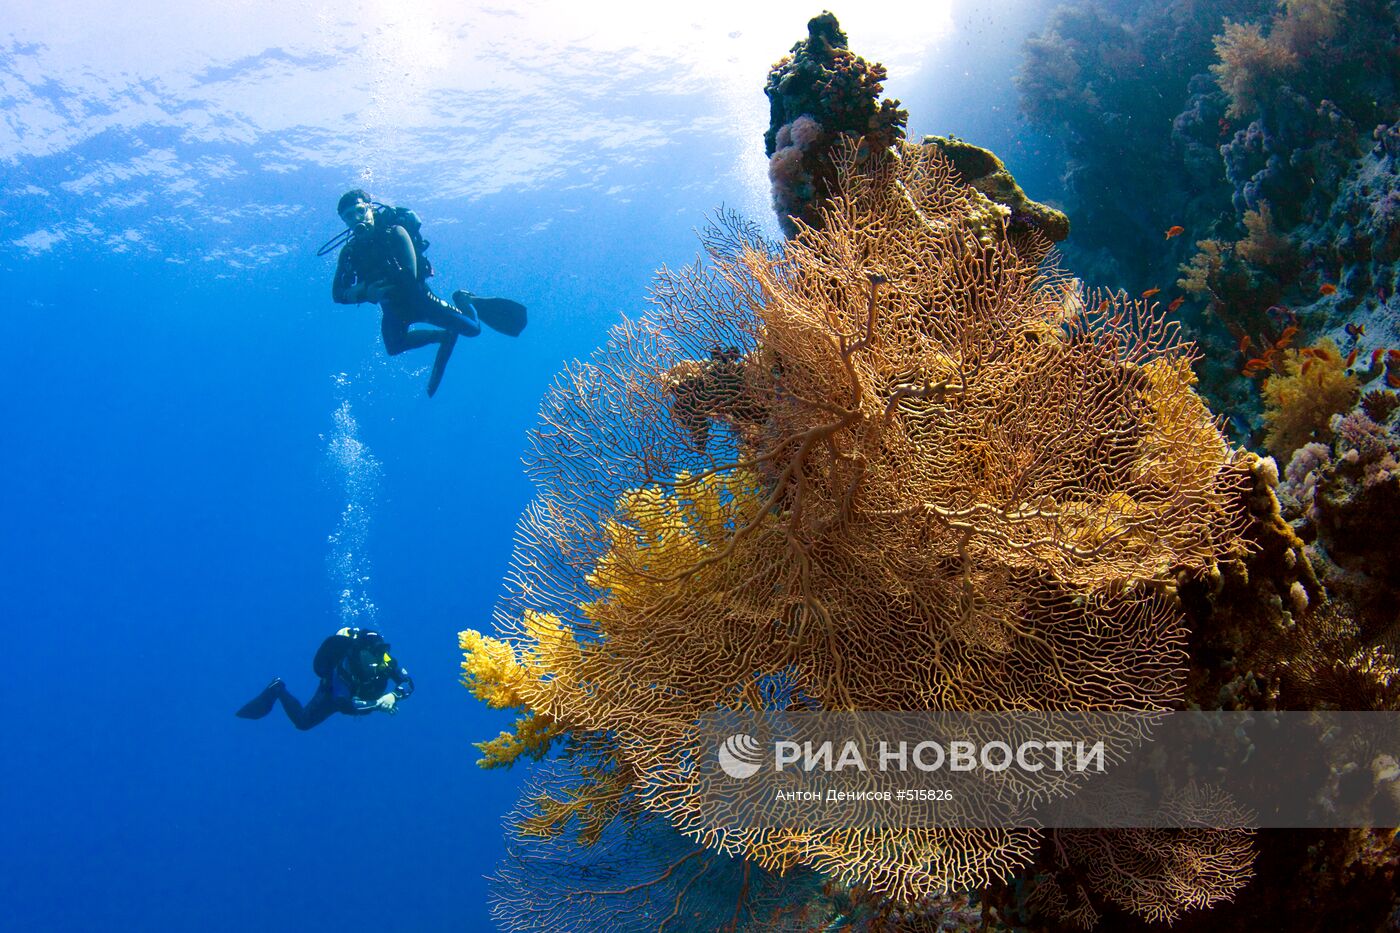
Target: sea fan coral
pixel 1154 873
pixel 635 873
pixel 897 465
pixel 1157 873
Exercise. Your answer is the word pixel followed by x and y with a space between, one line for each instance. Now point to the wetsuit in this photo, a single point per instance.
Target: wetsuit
pixel 373 256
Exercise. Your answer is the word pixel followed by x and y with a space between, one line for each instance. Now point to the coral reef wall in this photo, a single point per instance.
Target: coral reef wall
pixel 1240 158
pixel 1265 134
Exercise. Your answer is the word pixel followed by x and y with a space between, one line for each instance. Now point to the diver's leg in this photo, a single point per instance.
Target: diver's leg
pixel 444 353
pixel 444 314
pixel 401 247
pixel 315 712
pixel 398 338
pixel 260 705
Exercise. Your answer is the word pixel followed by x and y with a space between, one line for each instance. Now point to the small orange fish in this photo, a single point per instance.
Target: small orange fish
pixel 1245 343
pixel 1327 289
pixel 1308 364
pixel 1103 306
pixel 1176 302
pixel 1150 292
pixel 1356 330
pixel 1351 357
pixel 1392 356
pixel 1176 230
pixel 1287 337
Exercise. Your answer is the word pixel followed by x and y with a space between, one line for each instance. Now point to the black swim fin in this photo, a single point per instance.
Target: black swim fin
pixel 444 353
pixel 500 314
pixel 260 705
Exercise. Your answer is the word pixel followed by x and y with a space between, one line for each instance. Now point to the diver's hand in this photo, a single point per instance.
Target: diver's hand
pixel 386 703
pixel 378 291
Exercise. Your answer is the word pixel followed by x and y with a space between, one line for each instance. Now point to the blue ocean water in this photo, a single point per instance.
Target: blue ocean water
pixel 209 467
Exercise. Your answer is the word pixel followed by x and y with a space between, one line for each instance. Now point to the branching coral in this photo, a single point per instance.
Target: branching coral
pixel 898 465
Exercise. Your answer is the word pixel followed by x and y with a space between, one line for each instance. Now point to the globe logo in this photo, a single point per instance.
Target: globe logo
pixel 739 756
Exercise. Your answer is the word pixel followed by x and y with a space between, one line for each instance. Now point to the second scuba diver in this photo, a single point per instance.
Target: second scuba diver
pixel 382 261
pixel 355 668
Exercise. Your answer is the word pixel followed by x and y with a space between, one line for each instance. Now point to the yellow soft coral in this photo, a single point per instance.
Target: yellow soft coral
pixel 1299 402
pixel 495 675
pixel 491 671
pixel 659 537
pixel 1177 419
pixel 531 737
pixel 1251 63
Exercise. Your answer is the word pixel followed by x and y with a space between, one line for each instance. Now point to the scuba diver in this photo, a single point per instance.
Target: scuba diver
pixel 381 260
pixel 355 668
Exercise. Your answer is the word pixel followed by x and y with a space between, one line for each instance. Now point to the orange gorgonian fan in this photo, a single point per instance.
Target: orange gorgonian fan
pixel 898 463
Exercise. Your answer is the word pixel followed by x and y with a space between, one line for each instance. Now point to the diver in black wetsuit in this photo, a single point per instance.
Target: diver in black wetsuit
pixel 382 262
pixel 355 668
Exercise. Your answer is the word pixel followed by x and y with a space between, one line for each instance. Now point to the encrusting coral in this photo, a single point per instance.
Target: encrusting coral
pixel 898 464
pixel 985 173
